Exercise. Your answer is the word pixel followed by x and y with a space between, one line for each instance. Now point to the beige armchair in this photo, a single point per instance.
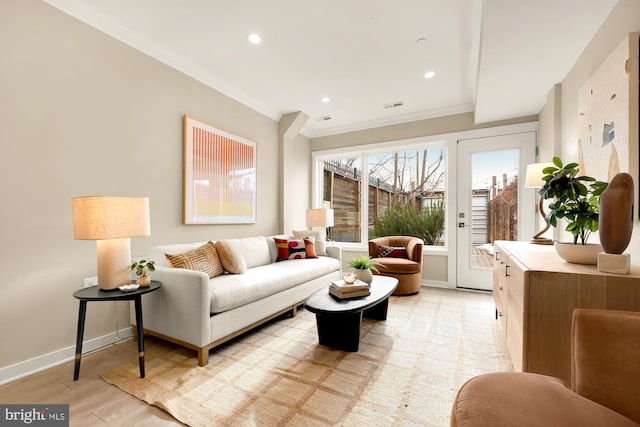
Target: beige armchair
pixel 605 374
pixel 406 266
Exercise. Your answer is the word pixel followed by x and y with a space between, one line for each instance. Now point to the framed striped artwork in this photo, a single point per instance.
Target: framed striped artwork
pixel 219 175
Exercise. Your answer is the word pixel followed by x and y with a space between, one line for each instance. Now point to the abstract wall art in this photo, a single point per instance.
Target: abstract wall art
pixel 219 175
pixel 608 115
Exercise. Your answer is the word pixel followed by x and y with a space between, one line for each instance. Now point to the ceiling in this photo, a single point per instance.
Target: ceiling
pixel 497 58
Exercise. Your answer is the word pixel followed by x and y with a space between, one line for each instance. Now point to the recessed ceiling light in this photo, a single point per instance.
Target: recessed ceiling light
pixel 325 99
pixel 429 74
pixel 254 38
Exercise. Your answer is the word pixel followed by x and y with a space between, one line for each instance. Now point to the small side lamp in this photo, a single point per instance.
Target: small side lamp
pixel 320 218
pixel 534 180
pixel 111 221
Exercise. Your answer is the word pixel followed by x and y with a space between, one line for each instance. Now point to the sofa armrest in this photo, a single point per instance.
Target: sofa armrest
pixel 414 250
pixel 180 308
pixel 374 245
pixel 335 252
pixel 605 351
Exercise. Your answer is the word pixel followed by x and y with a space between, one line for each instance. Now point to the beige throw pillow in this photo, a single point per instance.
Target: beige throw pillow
pixel 320 239
pixel 231 259
pixel 205 259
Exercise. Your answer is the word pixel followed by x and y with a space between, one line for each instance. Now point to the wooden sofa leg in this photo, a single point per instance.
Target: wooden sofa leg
pixel 203 356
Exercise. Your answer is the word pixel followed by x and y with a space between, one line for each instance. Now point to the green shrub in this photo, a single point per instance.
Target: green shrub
pixel 399 220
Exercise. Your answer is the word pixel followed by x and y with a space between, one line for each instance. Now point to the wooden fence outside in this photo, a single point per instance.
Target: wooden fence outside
pixel 342 190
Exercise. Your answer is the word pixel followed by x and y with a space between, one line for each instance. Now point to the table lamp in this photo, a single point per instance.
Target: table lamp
pixel 111 221
pixel 534 179
pixel 320 218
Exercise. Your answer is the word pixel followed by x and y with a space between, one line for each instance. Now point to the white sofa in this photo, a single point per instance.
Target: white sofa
pixel 200 313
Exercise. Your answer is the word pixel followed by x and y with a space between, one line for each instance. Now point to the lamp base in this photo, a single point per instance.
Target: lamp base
pixel 541 241
pixel 114 263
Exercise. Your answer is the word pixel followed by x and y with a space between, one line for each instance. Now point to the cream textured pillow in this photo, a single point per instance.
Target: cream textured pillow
pixel 231 259
pixel 320 239
pixel 205 259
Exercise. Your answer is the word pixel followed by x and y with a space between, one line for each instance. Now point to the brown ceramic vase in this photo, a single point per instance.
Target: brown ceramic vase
pixel 616 214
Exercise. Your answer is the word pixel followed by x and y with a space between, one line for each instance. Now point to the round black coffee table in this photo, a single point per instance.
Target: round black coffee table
pixel 339 320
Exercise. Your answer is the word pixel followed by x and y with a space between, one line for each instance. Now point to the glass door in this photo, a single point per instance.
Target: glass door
pixel 492 202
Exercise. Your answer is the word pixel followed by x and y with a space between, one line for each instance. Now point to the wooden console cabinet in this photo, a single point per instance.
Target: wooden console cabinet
pixel 535 292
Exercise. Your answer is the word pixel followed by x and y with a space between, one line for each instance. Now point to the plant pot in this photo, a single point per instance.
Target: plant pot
pixel 578 254
pixel 143 281
pixel 364 274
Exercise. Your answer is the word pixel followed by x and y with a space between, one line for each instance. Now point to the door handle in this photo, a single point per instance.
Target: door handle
pixel 461 225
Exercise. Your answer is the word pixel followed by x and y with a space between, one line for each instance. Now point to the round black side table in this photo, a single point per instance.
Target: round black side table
pixel 96 294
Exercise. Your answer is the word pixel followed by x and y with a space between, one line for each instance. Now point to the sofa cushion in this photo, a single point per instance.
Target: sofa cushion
pixel 204 258
pixel 295 249
pixel 254 250
pixel 231 259
pixel 398 265
pixel 319 236
pixel 157 253
pixel 392 251
pixel 233 290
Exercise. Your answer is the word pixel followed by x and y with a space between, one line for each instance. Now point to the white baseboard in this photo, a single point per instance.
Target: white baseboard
pixel 437 284
pixel 58 357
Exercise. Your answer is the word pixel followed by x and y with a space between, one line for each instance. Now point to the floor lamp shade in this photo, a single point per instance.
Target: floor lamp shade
pixel 111 221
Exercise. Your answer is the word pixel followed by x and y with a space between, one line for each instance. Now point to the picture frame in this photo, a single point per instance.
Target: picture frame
pixel 220 175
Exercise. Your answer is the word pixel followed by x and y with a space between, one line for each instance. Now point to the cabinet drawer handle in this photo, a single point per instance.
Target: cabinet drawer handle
pixel 501 288
pixel 506 270
pixel 500 314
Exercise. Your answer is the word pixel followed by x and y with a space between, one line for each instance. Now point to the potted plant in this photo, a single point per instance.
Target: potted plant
pixel 142 268
pixel 576 201
pixel 363 266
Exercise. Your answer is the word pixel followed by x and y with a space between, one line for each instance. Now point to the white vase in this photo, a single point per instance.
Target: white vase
pixel 364 274
pixel 578 254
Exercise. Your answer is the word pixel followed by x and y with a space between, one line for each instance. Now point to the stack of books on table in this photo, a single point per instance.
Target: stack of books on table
pixel 343 290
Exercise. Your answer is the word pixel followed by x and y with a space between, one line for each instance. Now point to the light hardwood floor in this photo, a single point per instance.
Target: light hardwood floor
pixel 92 401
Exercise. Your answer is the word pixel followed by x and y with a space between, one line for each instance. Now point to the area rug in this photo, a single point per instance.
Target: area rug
pixel 406 372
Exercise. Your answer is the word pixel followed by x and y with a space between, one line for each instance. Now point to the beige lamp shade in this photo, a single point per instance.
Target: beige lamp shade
pixel 99 218
pixel 534 175
pixel 111 221
pixel 321 218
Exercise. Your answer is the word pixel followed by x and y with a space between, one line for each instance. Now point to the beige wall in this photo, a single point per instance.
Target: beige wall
pixel 549 141
pixel 624 19
pixel 83 114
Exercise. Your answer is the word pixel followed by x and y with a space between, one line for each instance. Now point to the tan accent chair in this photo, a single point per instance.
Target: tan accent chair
pixel 605 374
pixel 408 270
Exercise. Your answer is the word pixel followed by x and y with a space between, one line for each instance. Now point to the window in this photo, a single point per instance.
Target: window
pixel 342 179
pixel 405 193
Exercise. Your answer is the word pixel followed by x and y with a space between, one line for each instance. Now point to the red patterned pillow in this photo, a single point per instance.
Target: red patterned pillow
pixel 295 249
pixel 392 251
